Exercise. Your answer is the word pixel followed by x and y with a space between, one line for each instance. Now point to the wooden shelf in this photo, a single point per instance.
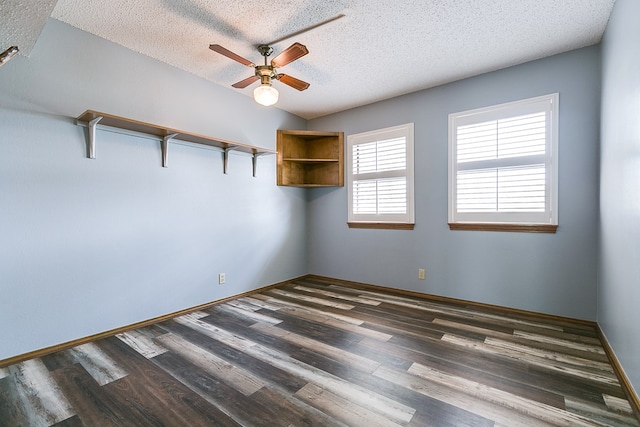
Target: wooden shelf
pixel 310 158
pixel 92 118
pixel 312 185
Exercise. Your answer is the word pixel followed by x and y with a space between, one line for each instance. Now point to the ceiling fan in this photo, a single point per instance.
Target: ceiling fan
pixel 266 94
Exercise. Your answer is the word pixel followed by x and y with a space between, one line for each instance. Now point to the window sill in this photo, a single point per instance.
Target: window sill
pixel 526 228
pixel 381 225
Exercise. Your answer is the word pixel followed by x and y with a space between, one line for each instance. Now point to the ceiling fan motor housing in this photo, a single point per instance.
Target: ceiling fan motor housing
pixel 265 73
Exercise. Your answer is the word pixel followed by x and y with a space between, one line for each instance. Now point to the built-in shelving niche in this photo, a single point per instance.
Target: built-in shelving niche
pixel 310 158
pixel 92 119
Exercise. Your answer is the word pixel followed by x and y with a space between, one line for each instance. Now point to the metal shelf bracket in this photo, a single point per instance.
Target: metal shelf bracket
pixel 254 161
pixel 226 157
pixel 165 149
pixel 92 137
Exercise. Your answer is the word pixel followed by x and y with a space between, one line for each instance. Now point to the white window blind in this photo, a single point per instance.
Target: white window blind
pixel 380 175
pixel 503 163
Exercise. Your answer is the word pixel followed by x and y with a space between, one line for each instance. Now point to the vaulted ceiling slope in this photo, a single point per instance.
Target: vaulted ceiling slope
pixel 379 48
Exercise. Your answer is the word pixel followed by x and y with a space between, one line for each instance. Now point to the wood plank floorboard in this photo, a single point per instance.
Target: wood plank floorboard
pixel 440 412
pixel 317 352
pixel 290 383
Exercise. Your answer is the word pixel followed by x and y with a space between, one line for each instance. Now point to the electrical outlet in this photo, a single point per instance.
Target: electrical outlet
pixel 421 273
pixel 221 278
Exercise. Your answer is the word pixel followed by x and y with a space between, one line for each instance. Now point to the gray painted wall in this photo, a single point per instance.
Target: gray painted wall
pixel 91 245
pixel 619 283
pixel 549 273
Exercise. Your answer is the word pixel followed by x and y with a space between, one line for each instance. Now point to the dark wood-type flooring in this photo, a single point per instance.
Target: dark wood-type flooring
pixel 317 352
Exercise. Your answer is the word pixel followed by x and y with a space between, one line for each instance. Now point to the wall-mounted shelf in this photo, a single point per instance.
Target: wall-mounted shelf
pixel 91 119
pixel 310 158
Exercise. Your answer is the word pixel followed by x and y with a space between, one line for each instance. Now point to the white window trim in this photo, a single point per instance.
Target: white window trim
pixel 406 131
pixel 550 159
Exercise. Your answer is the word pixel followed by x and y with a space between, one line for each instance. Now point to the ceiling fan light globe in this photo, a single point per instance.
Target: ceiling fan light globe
pixel 265 95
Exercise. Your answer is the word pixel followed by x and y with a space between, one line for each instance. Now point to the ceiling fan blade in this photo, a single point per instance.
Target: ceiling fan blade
pixel 226 52
pixel 289 55
pixel 293 82
pixel 246 82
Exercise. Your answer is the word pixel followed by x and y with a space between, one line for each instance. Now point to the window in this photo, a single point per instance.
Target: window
pixel 503 166
pixel 380 178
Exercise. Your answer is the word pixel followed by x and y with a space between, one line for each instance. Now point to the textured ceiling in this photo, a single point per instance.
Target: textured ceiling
pixel 380 49
pixel 22 22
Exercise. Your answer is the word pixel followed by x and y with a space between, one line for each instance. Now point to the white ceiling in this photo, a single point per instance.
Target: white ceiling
pixel 22 22
pixel 379 50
